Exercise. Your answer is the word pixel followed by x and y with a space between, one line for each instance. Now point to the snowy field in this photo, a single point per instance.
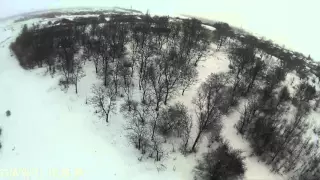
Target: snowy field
pixel 53 134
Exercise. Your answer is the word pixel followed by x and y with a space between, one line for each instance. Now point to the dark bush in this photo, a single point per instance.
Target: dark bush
pixel 174 120
pixel 8 113
pixel 221 164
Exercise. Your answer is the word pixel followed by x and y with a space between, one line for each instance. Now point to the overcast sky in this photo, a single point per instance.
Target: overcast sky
pixel 294 23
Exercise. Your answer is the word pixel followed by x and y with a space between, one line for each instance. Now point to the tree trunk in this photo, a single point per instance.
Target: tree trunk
pixel 196 141
pixel 153 129
pixel 185 146
pixel 144 97
pixel 241 128
pixel 76 85
pixel 166 98
pixel 132 70
pixel 276 154
pixel 140 75
pixel 157 158
pixel 220 43
pixel 157 106
pixel 107 117
pixel 238 73
pixel 250 86
pixel 183 91
pixel 139 143
pixel 105 73
pixel 235 86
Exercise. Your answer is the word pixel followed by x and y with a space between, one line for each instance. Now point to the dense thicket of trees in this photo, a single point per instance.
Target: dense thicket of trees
pixel 158 58
pixel 163 55
pixel 310 170
pixel 272 120
pixel 275 137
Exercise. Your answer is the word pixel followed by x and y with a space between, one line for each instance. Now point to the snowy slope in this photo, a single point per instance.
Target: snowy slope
pixel 52 134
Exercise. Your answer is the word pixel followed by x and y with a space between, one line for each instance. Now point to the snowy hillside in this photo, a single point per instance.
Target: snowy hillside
pixel 54 134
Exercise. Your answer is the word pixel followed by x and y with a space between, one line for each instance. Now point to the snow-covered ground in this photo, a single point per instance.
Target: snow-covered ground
pixel 209 27
pixel 55 135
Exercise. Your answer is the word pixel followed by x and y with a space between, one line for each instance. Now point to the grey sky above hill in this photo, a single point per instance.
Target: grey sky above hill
pixel 293 23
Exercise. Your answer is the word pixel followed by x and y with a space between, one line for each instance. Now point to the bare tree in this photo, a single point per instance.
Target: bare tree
pixel 254 73
pixel 138 115
pixel 189 75
pixel 156 147
pixel 117 38
pixel 156 79
pixel 125 72
pixel 194 41
pixel 207 105
pixel 221 34
pixel 66 59
pixel 145 48
pixel 170 68
pixel 241 58
pixel 174 120
pixel 185 136
pixel 103 100
pixel 272 81
pixel 94 53
pixel 248 115
pixel 77 72
pixel 102 45
pixel 138 131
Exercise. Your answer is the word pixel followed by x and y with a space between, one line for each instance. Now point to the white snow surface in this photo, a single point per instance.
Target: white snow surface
pixel 53 134
pixel 209 27
pixel 292 81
